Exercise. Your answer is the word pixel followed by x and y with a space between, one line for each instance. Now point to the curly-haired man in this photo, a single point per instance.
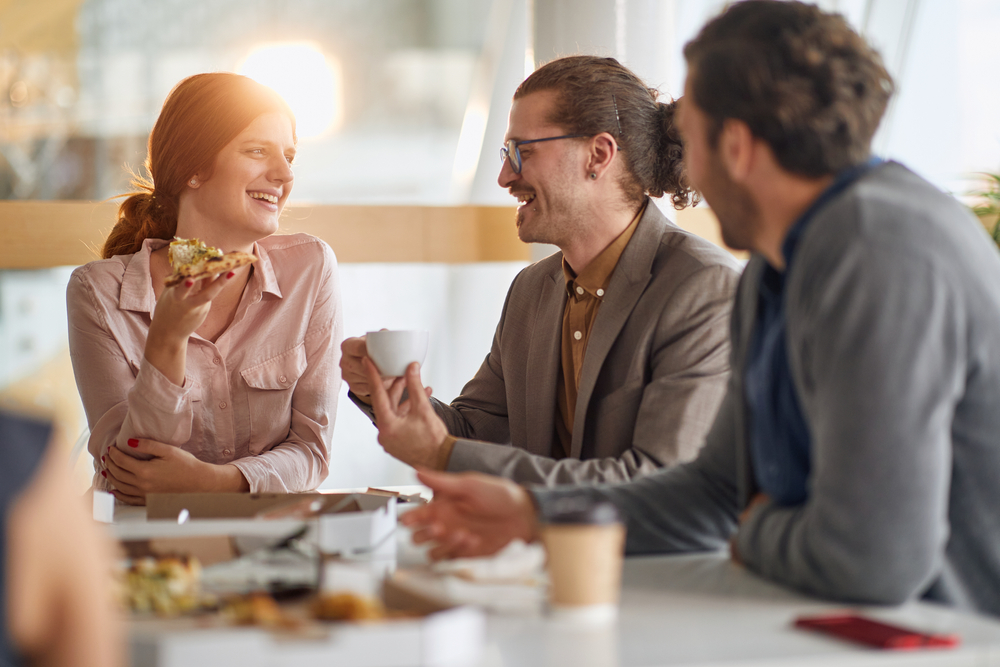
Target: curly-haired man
pixel 856 453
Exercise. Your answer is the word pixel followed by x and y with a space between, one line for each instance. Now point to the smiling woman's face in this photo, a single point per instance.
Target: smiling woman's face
pixel 239 203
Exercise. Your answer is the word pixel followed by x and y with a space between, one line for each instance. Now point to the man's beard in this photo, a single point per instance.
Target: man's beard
pixel 734 207
pixel 556 225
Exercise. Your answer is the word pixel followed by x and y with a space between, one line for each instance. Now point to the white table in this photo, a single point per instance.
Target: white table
pixel 697 610
pixel 704 610
pixel 676 610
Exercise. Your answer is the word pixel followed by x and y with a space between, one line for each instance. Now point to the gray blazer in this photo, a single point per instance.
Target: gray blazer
pixel 893 324
pixel 652 379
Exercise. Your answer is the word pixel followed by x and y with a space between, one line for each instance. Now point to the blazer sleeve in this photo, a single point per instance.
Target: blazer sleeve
pixel 480 411
pixel 691 507
pixel 880 366
pixel 686 374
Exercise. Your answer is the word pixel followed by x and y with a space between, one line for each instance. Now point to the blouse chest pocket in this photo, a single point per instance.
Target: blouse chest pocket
pixel 270 397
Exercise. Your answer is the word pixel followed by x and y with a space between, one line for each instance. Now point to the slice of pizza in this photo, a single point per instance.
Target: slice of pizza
pixel 191 258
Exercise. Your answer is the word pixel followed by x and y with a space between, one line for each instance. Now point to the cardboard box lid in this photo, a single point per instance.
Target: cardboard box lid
pixel 251 505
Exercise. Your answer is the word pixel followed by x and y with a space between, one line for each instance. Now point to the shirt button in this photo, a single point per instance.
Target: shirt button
pixel 600 292
pixel 579 290
pixel 577 335
pixel 282 379
pixel 226 452
pixel 223 405
pixel 216 361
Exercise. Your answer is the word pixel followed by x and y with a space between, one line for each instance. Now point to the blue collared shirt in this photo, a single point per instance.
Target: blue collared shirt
pixel 780 442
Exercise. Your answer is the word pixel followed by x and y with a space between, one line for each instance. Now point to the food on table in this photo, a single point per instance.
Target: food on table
pixel 191 258
pixel 165 586
pixel 347 607
pixel 257 609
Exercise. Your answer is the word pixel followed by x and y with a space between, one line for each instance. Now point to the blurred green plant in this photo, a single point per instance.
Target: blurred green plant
pixel 987 206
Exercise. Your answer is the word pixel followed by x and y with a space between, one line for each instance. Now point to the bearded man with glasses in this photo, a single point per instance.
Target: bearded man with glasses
pixel 611 356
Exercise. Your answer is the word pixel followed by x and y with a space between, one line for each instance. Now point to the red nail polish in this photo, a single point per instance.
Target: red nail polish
pixel 132 442
pixel 230 274
pixel 102 459
pixel 188 283
pixel 104 473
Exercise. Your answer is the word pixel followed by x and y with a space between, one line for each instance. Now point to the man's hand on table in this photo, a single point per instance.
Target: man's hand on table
pixel 170 470
pixel 472 514
pixel 409 430
pixel 354 352
pixel 755 502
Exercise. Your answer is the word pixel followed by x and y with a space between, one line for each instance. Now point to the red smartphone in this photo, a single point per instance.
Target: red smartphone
pixel 874 633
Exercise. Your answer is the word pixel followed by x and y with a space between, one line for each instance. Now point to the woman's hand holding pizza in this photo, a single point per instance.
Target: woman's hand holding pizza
pixel 170 470
pixel 180 310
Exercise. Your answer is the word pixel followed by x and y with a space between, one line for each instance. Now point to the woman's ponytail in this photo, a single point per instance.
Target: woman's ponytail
pixel 143 215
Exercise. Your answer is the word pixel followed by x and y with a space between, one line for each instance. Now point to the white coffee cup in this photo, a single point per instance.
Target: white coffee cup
pixel 393 351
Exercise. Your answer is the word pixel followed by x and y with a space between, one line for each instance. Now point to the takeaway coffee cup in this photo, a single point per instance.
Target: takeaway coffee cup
pixel 393 351
pixel 584 542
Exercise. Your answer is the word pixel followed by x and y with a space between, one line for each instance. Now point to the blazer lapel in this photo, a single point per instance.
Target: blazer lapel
pixel 628 282
pixel 544 365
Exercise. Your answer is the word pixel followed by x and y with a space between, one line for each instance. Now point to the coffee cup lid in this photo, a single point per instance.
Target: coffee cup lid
pixel 581 510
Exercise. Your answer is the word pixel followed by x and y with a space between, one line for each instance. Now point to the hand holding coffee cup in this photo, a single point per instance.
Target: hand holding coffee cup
pixel 393 351
pixel 585 545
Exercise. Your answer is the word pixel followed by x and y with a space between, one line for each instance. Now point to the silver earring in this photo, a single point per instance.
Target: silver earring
pixel 593 176
pixel 193 182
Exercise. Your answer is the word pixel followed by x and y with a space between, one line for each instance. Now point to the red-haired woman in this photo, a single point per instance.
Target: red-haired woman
pixel 224 384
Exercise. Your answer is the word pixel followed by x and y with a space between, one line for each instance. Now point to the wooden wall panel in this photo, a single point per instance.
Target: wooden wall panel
pixel 46 234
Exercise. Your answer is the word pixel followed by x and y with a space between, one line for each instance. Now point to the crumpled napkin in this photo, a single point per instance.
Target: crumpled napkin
pixel 517 563
pixel 512 581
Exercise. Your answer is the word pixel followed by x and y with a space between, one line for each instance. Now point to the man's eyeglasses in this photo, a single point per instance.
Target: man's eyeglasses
pixel 512 153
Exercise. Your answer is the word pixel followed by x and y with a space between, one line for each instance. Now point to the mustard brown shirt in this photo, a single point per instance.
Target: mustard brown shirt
pixel 584 294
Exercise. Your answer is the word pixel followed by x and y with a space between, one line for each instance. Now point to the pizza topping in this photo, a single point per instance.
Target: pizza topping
pixel 191 258
pixel 186 252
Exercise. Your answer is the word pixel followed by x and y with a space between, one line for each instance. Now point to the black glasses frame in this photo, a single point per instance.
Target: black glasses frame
pixel 512 153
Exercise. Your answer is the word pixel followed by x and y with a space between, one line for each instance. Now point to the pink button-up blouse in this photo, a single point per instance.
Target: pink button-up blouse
pixel 263 397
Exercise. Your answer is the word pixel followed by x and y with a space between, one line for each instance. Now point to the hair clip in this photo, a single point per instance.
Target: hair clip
pixel 617 119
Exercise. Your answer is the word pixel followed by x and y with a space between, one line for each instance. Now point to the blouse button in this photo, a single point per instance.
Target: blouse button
pixel 223 405
pixel 282 379
pixel 579 290
pixel 226 452
pixel 577 335
pixel 600 292
pixel 216 361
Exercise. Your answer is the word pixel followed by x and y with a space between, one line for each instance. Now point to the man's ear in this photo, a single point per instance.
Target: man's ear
pixel 603 149
pixel 736 149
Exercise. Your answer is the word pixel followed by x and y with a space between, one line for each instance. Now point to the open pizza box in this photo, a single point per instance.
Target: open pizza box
pixel 434 633
pixel 208 524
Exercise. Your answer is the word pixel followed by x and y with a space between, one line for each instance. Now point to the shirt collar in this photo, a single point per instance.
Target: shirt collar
pixel 843 179
pixel 596 275
pixel 265 270
pixel 137 284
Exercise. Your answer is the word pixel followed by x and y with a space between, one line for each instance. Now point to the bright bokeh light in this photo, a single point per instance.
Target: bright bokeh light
pixel 310 82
